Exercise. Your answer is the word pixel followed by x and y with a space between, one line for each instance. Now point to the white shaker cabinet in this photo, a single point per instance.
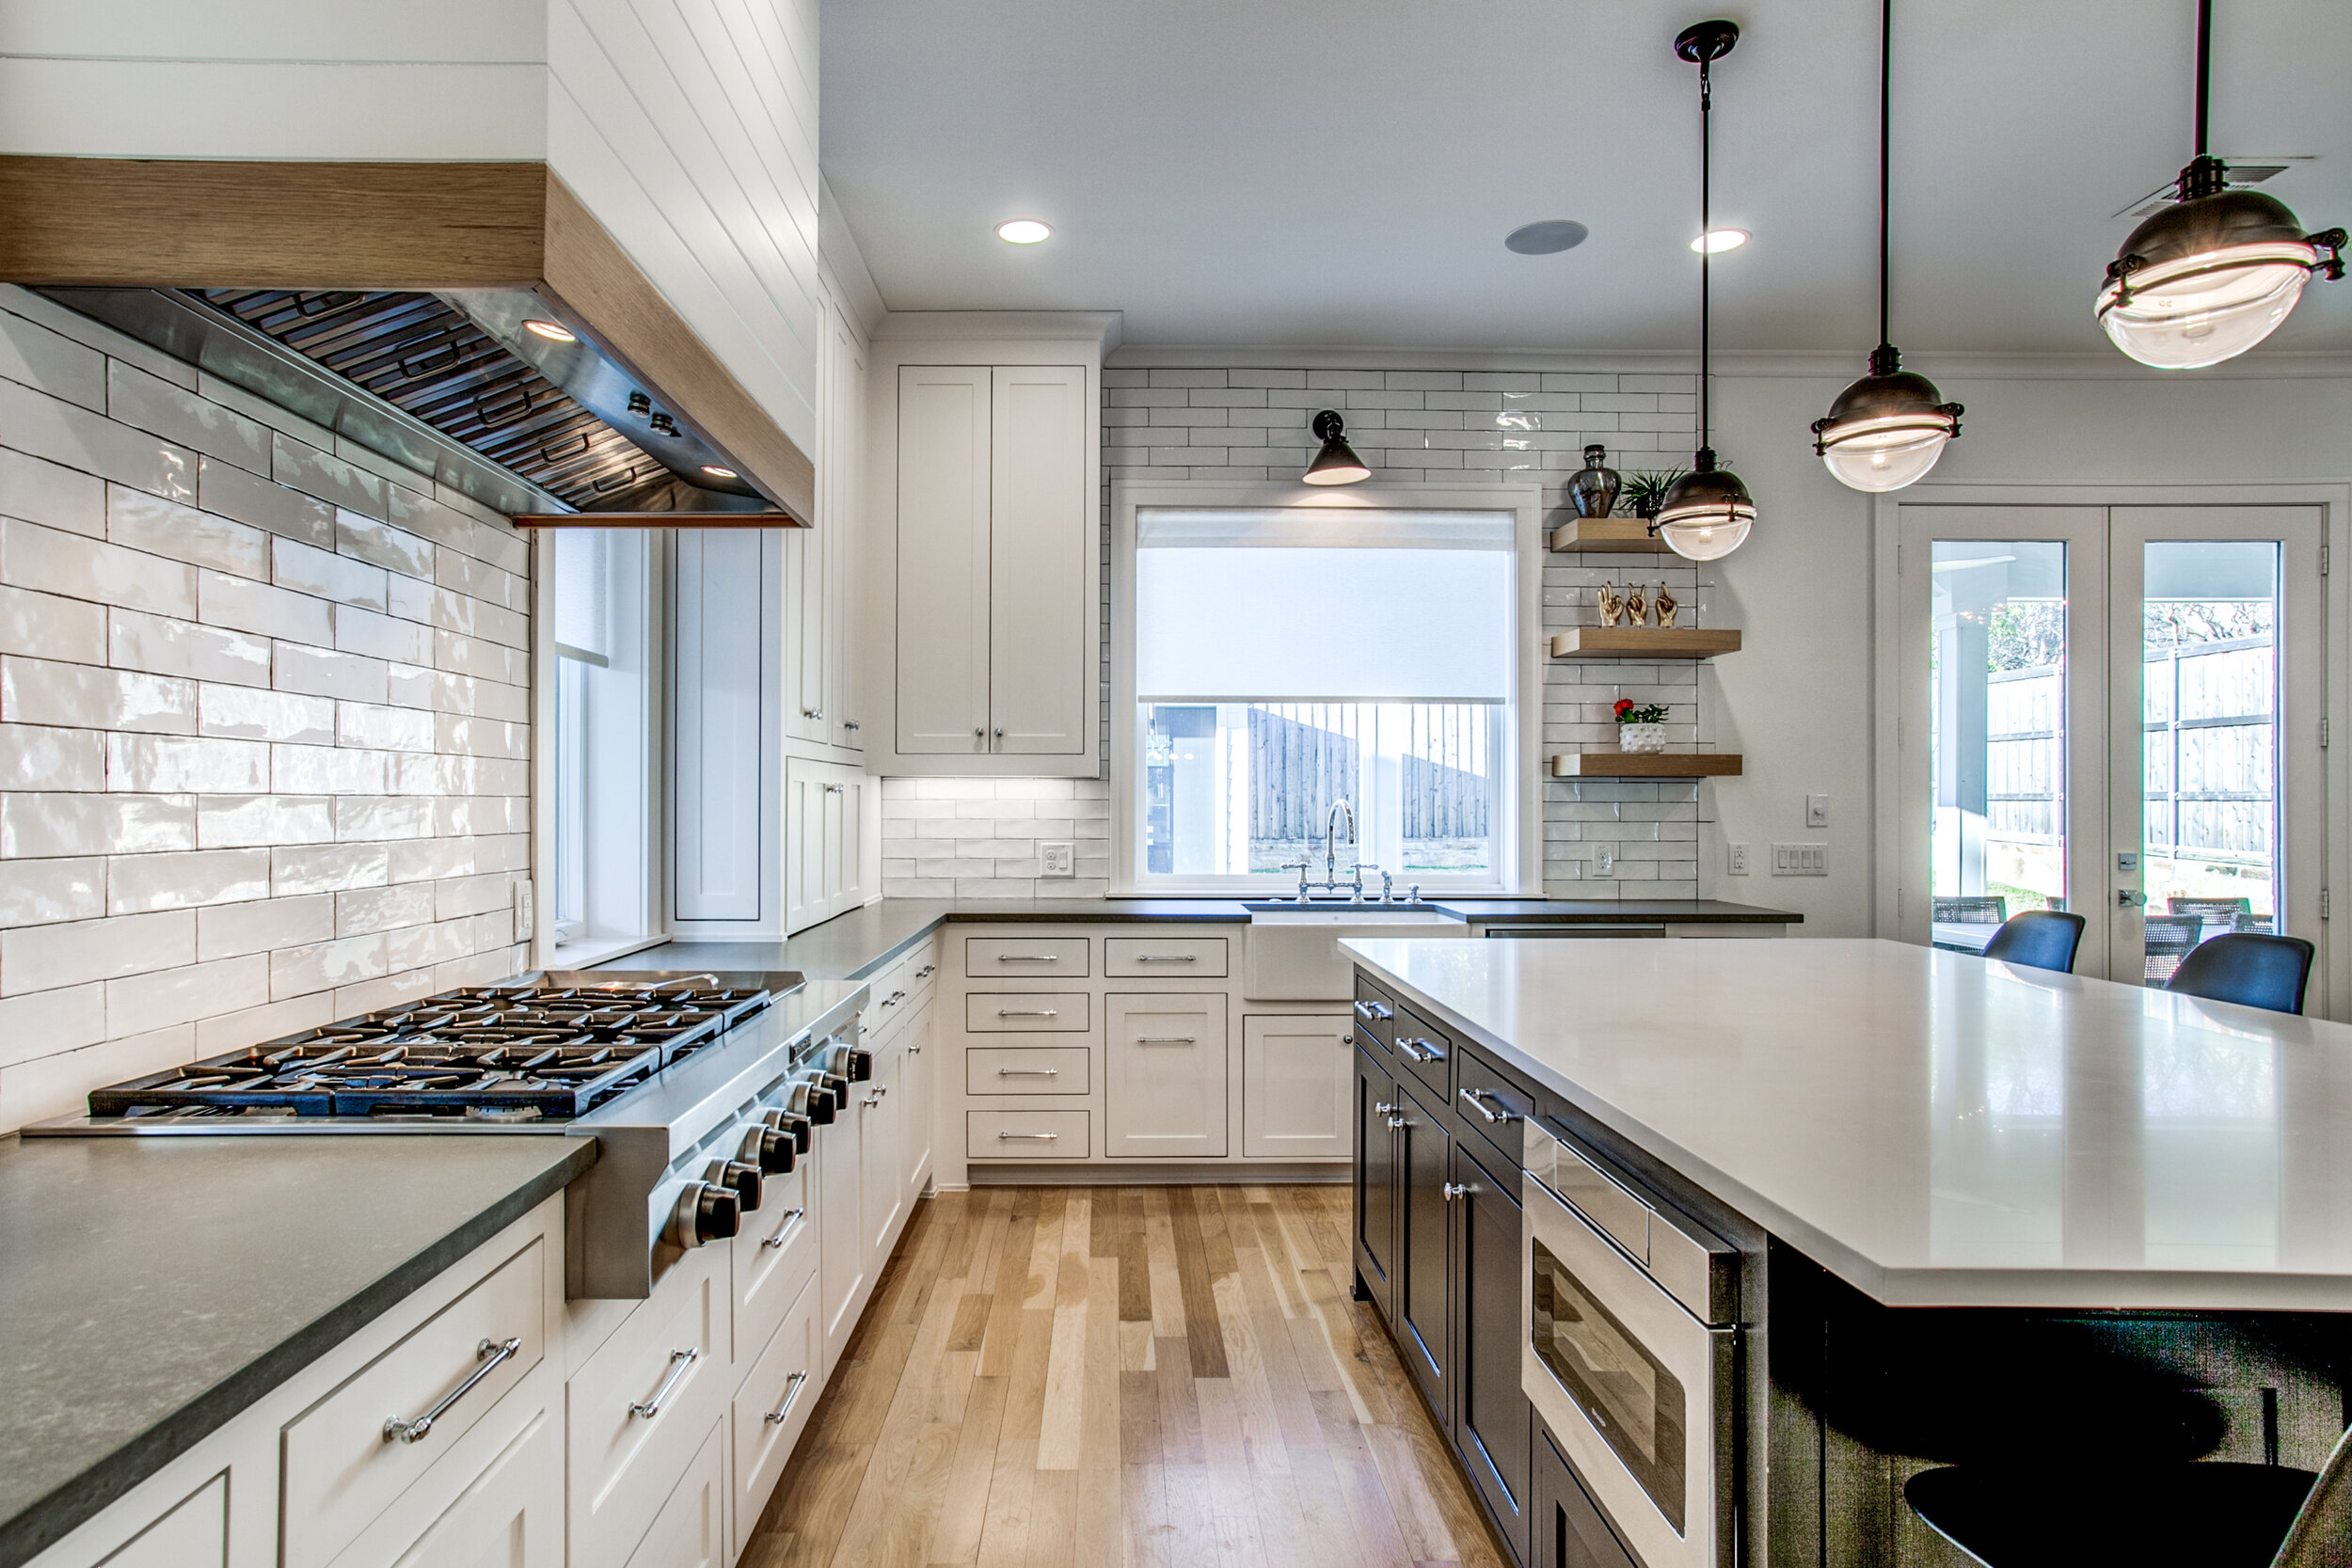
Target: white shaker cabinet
pixel 986 553
pixel 821 563
pixel 831 813
pixel 1164 1075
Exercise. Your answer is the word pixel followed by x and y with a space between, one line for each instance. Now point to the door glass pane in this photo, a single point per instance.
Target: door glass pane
pixel 2209 652
pixel 1996 673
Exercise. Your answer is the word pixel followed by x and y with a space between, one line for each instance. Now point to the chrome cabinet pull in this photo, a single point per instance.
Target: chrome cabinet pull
pixel 1382 1109
pixel 927 972
pixel 1374 1011
pixel 835 789
pixel 791 1394
pixel 1478 1103
pixel 1028 958
pixel 1043 1137
pixel 1168 1039
pixel 489 1354
pixel 1452 1189
pixel 1419 1049
pixel 1399 1123
pixel 1168 958
pixel 679 1361
pixel 791 1218
pixel 876 1098
pixel 1028 1012
pixel 812 713
pixel 1028 1073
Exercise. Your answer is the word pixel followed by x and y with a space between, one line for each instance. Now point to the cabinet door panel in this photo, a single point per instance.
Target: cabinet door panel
pixel 689 1531
pixel 1295 1074
pixel 882 1185
pixel 844 450
pixel 194 1534
pixel 510 1517
pixel 1568 1531
pixel 1164 1076
pixel 917 1072
pixel 1424 1283
pixel 1041 589
pixel 1379 1176
pixel 943 559
pixel 1496 1420
pixel 841 1226
pixel 721 640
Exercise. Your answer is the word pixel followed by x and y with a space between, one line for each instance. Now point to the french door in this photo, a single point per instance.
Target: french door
pixel 2116 711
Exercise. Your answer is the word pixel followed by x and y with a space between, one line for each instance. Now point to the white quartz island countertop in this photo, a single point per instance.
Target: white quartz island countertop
pixel 1937 1130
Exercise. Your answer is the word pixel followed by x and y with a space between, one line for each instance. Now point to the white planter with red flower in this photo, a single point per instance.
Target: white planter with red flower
pixel 1640 729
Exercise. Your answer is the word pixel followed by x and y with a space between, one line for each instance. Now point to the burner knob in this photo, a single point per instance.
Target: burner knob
pixel 796 1127
pixel 821 1105
pixel 770 1150
pixel 704 1214
pixel 857 1066
pixel 744 1176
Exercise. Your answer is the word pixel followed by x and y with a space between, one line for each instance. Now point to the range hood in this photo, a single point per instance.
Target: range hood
pixel 538 422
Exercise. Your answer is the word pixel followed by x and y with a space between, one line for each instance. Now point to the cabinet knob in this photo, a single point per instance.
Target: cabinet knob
pixel 850 724
pixel 812 713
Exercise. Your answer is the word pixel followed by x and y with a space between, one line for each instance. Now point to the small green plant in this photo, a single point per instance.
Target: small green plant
pixel 1628 714
pixel 1646 490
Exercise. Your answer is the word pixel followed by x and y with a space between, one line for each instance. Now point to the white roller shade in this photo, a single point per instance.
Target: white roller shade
pixel 1308 604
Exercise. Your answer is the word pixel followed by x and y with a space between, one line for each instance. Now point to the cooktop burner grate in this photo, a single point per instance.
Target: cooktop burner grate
pixel 492 1052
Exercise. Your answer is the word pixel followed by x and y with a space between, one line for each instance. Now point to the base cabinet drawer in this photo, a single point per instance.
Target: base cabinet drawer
pixel 775 1254
pixel 511 1516
pixel 1165 958
pixel 770 1410
pixel 1010 1012
pixel 1025 957
pixel 1296 1074
pixel 1027 1069
pixel 689 1531
pixel 636 1410
pixel 1025 1134
pixel 345 1461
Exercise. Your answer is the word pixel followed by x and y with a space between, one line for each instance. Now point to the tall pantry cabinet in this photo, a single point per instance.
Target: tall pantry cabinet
pixel 984 605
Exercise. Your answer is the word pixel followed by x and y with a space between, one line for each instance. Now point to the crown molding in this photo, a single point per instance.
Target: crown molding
pixel 1832 365
pixel 1101 327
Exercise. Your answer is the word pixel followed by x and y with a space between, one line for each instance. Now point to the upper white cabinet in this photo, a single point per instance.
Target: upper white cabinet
pixel 821 563
pixel 986 538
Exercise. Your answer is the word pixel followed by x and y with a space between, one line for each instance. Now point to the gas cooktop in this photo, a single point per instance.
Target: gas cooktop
pixel 549 1047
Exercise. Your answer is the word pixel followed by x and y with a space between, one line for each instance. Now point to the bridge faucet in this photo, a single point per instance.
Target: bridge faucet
pixel 1330 839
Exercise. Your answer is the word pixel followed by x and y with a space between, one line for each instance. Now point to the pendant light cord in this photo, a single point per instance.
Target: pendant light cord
pixel 1706 455
pixel 1886 93
pixel 2204 68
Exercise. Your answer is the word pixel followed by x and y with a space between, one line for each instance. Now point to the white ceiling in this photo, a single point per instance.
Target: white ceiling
pixel 1302 172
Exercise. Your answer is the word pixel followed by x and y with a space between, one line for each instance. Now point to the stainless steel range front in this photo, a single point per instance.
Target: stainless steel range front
pixel 696 1087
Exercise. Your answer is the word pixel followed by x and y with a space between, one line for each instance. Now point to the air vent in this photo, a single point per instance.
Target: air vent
pixel 2243 176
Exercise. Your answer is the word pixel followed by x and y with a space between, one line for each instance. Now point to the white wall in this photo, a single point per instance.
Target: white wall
pixel 688 127
pixel 1798 701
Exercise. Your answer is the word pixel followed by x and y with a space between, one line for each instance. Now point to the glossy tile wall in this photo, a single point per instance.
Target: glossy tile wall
pixel 978 839
pixel 263 720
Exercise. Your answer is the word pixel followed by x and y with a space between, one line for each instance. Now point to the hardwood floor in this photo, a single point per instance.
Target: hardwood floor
pixel 1164 1377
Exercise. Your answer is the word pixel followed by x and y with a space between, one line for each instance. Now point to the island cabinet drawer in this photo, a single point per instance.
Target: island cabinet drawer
pixel 1426 1051
pixel 775 1252
pixel 1026 1012
pixel 772 1408
pixel 1025 957
pixel 1025 1135
pixel 359 1447
pixel 1027 1069
pixel 1164 958
pixel 1376 1019
pixel 637 1410
pixel 1490 1104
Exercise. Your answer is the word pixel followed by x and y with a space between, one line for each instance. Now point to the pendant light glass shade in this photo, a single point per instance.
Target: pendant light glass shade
pixel 1707 514
pixel 1337 463
pixel 1887 429
pixel 2210 276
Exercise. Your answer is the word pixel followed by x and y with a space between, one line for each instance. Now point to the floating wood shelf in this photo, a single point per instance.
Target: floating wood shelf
pixel 1621 535
pixel 1644 643
pixel 1645 764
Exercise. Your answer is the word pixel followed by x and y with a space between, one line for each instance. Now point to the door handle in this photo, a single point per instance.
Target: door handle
pixel 792 1393
pixel 489 1354
pixel 679 1361
pixel 2129 898
pixel 791 1218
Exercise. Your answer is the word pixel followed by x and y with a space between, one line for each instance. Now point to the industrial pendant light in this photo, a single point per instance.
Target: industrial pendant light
pixel 1337 463
pixel 1707 514
pixel 2213 274
pixel 1889 428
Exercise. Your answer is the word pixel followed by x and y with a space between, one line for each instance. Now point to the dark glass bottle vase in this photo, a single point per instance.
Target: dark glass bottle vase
pixel 1592 489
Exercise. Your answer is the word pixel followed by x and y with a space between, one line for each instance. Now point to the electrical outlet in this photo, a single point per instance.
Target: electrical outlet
pixel 1058 859
pixel 1816 811
pixel 525 916
pixel 1800 860
pixel 1604 860
pixel 1735 860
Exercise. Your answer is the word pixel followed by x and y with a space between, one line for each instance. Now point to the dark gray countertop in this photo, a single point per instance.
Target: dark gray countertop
pixel 852 946
pixel 151 1289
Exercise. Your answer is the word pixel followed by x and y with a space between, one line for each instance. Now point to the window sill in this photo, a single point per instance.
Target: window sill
pixel 588 952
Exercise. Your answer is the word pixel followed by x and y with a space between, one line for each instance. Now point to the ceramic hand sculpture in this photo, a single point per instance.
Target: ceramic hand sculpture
pixel 1611 605
pixel 1663 605
pixel 1635 608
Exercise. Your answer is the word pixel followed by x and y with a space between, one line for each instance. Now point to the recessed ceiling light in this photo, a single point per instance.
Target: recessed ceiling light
pixel 1543 239
pixel 553 332
pixel 1023 231
pixel 1716 240
pixel 717 472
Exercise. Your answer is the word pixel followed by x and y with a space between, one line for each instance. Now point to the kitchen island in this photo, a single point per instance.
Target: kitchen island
pixel 1958 1212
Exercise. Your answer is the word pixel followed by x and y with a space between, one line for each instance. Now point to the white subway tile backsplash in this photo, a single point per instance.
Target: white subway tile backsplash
pixel 248 498
pixel 387 637
pixel 35 692
pixel 41 892
pixel 328 770
pixel 76 437
pixel 249 605
pixel 322 672
pixel 140 521
pixel 231 822
pixel 44 958
pixel 360 817
pixel 294 971
pixel 33 756
pixel 137 884
pixel 228 930
pixel 390 729
pixel 299 466
pixel 383 909
pixel 162 645
pixel 329 576
pixel 60 1085
pixel 74 567
pixel 380 543
pixel 247 714
pixel 34 825
pixel 296 871
pixel 161 764
pixel 52 495
pixel 43 1023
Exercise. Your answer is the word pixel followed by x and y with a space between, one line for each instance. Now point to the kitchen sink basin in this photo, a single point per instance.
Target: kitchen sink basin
pixel 1292 953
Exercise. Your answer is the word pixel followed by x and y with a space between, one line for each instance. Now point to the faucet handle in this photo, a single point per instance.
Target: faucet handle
pixel 1302 867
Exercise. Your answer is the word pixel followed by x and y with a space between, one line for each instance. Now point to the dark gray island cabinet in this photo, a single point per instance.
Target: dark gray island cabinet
pixel 1701 1255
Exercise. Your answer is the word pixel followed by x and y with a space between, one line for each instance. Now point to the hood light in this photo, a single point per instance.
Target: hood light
pixel 554 332
pixel 717 472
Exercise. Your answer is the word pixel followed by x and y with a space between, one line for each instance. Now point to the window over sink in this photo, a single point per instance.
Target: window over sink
pixel 1285 659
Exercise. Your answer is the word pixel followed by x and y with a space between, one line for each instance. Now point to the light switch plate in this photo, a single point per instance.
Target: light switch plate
pixel 1057 859
pixel 1816 811
pixel 1800 860
pixel 1735 860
